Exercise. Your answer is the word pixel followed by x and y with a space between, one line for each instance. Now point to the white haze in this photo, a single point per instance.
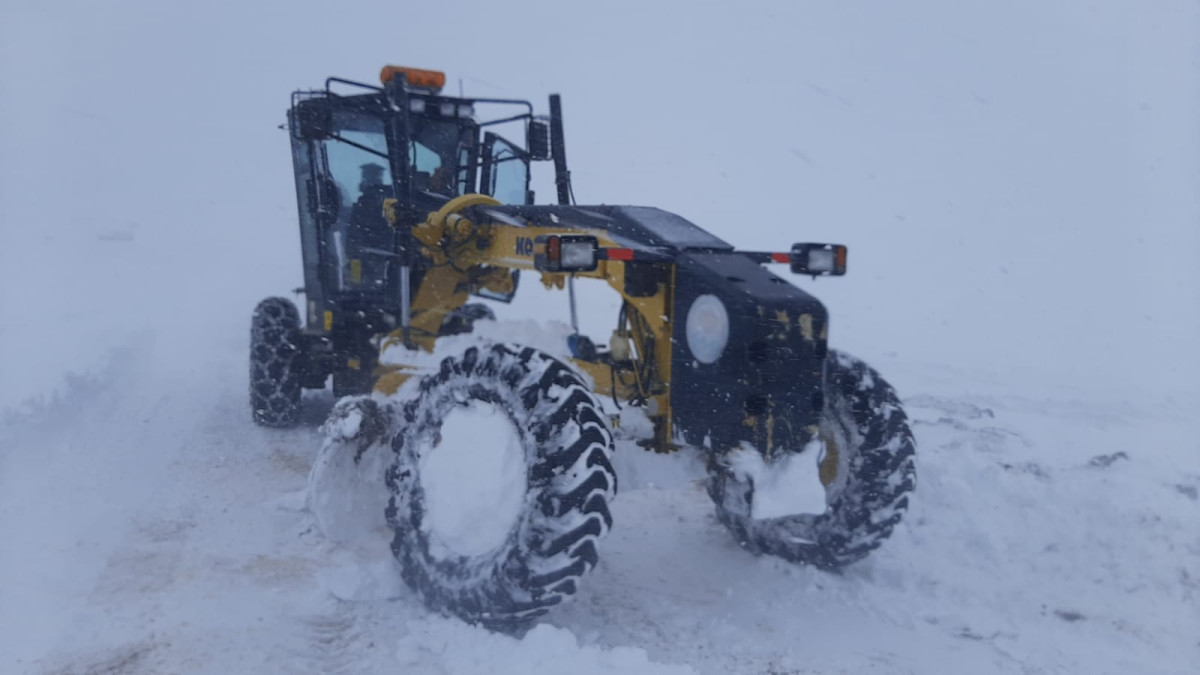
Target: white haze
pixel 1019 186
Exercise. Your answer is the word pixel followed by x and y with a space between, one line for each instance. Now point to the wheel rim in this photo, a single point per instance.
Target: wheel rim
pixel 838 439
pixel 828 467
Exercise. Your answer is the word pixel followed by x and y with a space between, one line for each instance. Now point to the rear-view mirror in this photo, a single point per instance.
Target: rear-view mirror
pixel 538 141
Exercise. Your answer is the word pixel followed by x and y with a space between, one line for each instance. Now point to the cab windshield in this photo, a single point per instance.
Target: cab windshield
pixel 439 157
pixel 355 159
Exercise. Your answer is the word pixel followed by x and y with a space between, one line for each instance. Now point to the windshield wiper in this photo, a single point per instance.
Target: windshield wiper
pixel 360 146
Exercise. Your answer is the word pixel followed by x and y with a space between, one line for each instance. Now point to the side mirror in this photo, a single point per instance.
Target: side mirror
pixel 312 120
pixel 538 140
pixel 816 259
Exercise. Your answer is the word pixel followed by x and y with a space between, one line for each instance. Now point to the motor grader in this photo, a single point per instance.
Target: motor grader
pixel 411 204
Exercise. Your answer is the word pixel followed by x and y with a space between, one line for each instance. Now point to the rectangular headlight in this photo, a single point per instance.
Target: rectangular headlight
pixel 579 255
pixel 818 259
pixel 566 253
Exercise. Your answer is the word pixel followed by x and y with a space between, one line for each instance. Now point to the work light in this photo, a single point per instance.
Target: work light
pixel 566 253
pixel 816 259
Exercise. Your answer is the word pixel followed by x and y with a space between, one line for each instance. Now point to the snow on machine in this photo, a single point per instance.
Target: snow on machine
pixel 409 205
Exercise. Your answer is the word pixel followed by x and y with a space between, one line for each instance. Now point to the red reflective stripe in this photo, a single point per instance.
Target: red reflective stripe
pixel 620 253
pixel 781 257
pixel 553 248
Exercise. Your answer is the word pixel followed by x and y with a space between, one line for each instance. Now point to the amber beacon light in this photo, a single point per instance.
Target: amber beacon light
pixel 415 77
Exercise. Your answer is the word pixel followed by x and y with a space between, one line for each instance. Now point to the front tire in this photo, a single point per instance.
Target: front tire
pixel 870 469
pixel 570 481
pixel 275 364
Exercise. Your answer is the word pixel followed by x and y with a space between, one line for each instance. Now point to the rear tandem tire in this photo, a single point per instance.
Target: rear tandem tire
pixel 570 482
pixel 868 497
pixel 275 364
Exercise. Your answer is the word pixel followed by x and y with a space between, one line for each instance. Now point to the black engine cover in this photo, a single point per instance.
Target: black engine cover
pixel 766 387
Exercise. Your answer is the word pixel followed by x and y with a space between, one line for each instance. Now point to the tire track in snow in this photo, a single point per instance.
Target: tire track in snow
pixel 329 642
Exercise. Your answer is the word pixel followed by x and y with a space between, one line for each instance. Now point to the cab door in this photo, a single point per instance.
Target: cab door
pixel 317 207
pixel 343 177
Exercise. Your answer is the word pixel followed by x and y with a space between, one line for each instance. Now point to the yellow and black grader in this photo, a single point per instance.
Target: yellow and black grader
pixel 411 205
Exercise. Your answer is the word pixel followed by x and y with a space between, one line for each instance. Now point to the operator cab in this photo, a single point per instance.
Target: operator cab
pixel 359 146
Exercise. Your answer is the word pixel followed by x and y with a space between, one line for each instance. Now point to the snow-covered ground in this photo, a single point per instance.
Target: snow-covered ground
pixel 1019 185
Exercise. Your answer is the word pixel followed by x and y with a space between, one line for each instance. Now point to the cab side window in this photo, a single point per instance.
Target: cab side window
pixel 510 175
